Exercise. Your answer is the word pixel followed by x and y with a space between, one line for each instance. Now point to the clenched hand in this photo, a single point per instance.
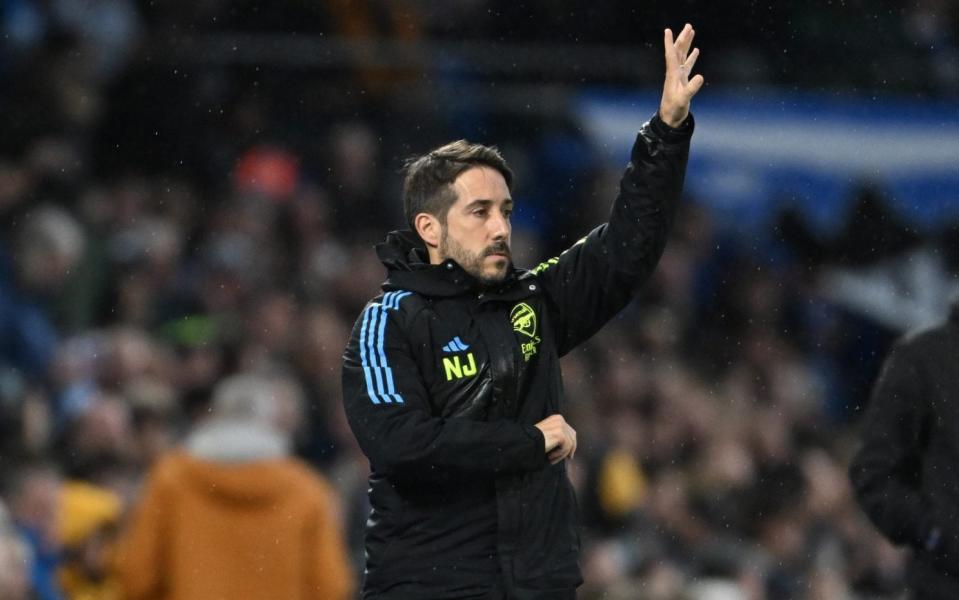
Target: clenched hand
pixel 560 438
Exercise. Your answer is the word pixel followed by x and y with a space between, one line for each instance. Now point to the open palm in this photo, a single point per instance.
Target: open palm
pixel 679 88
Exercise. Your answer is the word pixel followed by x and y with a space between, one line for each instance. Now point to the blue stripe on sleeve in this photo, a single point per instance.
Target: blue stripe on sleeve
pixel 363 361
pixel 381 334
pixel 395 304
pixel 378 360
pixel 389 393
pixel 373 349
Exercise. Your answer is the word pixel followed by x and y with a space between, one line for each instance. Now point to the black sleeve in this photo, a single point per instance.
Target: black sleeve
pixel 885 472
pixel 594 279
pixel 389 411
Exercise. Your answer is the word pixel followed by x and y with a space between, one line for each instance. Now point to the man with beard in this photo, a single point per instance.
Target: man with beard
pixel 451 379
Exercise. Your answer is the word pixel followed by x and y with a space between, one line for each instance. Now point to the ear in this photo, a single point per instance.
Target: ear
pixel 428 228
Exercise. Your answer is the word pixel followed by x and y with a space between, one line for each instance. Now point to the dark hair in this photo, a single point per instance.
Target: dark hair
pixel 428 183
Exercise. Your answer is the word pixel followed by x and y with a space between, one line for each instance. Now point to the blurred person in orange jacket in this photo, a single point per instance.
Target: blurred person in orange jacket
pixel 232 515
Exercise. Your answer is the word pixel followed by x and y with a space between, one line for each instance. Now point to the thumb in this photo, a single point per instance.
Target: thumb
pixel 695 84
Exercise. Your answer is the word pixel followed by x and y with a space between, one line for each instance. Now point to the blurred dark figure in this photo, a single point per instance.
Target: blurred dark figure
pixel 871 232
pixel 233 506
pixel 14 562
pixel 33 491
pixel 904 474
pixel 48 244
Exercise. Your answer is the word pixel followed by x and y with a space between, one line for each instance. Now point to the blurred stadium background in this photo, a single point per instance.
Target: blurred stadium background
pixel 192 189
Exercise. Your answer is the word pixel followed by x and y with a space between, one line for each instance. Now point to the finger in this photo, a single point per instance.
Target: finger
pixel 684 43
pixel 552 445
pixel 695 84
pixel 684 40
pixel 671 59
pixel 562 451
pixel 691 61
pixel 562 447
pixel 558 454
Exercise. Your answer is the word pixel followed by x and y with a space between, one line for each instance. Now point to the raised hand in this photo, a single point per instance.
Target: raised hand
pixel 679 88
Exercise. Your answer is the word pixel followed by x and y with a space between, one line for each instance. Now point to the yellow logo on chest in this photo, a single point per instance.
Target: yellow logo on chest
pixel 523 318
pixel 457 369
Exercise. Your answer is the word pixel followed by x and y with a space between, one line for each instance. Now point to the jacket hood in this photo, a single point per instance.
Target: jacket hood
pixel 403 250
pixel 408 268
pixel 253 481
pixel 236 441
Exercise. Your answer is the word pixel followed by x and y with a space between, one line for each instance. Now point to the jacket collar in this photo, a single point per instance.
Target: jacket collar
pixel 408 268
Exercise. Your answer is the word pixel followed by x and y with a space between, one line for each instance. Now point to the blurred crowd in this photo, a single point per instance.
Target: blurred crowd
pixel 183 249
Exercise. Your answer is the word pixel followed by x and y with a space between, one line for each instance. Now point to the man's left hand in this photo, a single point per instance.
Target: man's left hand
pixel 679 88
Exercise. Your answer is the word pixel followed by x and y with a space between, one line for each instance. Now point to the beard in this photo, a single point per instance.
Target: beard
pixel 472 262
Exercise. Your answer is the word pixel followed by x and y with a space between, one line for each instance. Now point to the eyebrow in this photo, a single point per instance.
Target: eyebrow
pixel 486 202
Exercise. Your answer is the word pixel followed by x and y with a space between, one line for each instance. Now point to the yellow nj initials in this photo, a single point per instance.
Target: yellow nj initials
pixel 456 370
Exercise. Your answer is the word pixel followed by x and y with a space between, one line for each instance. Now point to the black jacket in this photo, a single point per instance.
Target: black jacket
pixel 906 474
pixel 443 381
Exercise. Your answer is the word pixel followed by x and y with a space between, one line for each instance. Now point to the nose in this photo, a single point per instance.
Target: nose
pixel 499 226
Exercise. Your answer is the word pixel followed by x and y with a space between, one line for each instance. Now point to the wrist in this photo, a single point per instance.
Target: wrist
pixel 673 117
pixel 538 439
pixel 669 134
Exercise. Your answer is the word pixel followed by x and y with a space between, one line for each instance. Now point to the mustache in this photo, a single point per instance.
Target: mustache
pixel 498 248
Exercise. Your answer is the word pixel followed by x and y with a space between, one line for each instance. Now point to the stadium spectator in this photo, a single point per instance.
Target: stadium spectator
pixel 15 562
pixel 89 517
pixel 231 515
pixel 47 245
pixel 33 494
pixel 904 472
